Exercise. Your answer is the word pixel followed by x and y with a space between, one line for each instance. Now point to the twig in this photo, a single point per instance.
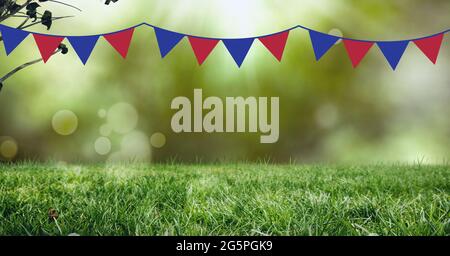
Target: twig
pixel 69 5
pixel 23 66
pixel 19 13
pixel 18 10
pixel 24 22
pixel 38 22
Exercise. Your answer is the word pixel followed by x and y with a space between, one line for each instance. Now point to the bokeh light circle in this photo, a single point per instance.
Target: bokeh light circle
pixel 123 118
pixel 8 148
pixel 65 122
pixel 327 116
pixel 158 140
pixel 135 146
pixel 106 130
pixel 336 32
pixel 102 146
pixel 102 113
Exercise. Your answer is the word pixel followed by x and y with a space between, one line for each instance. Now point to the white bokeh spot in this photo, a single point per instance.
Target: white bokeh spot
pixel 158 140
pixel 8 148
pixel 102 146
pixel 106 130
pixel 65 122
pixel 338 33
pixel 123 118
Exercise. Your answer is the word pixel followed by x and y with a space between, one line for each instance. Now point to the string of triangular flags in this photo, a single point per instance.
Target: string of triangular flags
pixel 237 47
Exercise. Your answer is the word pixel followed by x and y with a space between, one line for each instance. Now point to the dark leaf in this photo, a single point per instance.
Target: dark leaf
pixel 52 214
pixel 13 8
pixel 63 48
pixel 32 6
pixel 46 19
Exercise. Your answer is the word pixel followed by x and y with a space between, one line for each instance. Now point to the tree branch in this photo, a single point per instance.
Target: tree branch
pixel 23 66
pixel 69 5
pixel 24 22
pixel 18 10
pixel 19 13
pixel 39 22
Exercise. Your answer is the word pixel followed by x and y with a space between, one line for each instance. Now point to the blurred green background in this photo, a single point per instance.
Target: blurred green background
pixel 114 110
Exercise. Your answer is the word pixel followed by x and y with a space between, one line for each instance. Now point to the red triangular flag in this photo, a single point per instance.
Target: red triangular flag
pixel 357 50
pixel 121 41
pixel 276 43
pixel 202 47
pixel 47 45
pixel 430 46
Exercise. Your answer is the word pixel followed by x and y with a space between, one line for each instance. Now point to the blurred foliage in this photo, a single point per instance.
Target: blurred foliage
pixel 329 112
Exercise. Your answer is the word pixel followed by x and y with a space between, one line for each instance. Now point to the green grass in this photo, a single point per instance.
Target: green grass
pixel 225 200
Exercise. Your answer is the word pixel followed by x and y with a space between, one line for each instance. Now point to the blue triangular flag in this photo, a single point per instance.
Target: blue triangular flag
pixel 12 37
pixel 393 51
pixel 167 40
pixel 83 46
pixel 321 43
pixel 238 48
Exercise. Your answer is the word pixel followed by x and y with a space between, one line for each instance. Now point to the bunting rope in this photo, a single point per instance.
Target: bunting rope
pixel 238 48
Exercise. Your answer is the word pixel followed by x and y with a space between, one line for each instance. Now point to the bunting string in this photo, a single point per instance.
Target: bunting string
pixel 238 48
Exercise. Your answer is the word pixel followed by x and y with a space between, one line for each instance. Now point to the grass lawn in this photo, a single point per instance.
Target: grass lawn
pixel 240 199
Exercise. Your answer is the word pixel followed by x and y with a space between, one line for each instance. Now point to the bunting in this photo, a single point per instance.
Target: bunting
pixel 357 50
pixel 47 45
pixel 121 41
pixel 322 43
pixel 238 48
pixel 202 47
pixel 167 40
pixel 430 46
pixel 83 46
pixel 393 51
pixel 12 38
pixel 276 43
